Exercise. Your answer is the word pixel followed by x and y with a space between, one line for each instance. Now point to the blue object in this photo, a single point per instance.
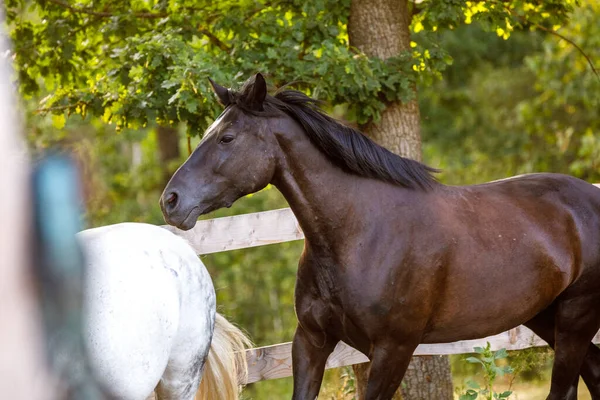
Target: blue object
pixel 60 268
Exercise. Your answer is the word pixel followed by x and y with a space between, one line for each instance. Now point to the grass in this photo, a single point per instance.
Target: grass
pixel 532 390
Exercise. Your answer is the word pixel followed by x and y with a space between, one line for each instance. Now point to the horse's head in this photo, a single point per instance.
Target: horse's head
pixel 236 156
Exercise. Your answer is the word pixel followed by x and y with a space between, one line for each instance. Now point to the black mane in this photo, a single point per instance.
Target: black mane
pixel 348 148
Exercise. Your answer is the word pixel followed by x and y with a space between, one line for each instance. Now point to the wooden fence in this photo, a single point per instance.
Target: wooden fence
pixel 277 226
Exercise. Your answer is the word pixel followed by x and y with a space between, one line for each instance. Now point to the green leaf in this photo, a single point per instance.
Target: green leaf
pixel 58 121
pixel 473 360
pixel 469 395
pixel 473 384
pixel 502 353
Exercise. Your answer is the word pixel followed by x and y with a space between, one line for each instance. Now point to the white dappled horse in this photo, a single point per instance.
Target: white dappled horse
pixel 149 318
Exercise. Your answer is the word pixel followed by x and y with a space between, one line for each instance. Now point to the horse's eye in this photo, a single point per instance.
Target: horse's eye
pixel 226 139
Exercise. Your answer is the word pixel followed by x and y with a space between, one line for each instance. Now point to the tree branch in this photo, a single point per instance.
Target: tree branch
pixel 572 44
pixel 256 11
pixel 553 32
pixel 213 39
pixel 57 108
pixel 147 15
pixel 414 10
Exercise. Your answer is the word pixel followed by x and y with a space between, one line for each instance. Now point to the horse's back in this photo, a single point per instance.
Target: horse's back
pixel 576 201
pixel 137 297
pixel 564 210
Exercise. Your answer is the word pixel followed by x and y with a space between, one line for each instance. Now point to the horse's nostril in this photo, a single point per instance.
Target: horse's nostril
pixel 172 199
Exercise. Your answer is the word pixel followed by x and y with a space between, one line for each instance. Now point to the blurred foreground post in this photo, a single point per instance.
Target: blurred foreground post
pixel 22 372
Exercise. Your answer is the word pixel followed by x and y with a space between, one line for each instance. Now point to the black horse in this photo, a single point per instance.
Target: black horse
pixel 393 258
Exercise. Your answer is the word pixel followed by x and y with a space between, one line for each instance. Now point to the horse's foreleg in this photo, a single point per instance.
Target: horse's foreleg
pixel 308 362
pixel 388 366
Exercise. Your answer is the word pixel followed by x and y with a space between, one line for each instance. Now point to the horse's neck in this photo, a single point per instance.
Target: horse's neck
pixel 321 195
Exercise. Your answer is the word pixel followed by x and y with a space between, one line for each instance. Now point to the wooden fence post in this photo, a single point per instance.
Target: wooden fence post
pixel 22 372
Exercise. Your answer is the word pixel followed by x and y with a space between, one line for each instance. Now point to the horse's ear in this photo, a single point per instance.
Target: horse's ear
pixel 221 92
pixel 258 93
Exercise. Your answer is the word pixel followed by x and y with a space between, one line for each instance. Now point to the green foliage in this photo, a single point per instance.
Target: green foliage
pixel 563 117
pixel 135 62
pixel 509 107
pixel 486 359
pixel 150 64
pixel 530 364
pixel 121 174
pixel 347 385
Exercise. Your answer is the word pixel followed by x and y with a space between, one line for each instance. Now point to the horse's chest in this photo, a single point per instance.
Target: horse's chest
pixel 346 327
pixel 327 285
pixel 323 304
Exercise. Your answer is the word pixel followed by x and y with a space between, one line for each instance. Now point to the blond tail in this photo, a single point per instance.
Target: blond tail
pixel 226 369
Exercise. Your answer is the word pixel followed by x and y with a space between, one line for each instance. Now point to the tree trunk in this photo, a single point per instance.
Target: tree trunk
pixel 380 28
pixel 168 148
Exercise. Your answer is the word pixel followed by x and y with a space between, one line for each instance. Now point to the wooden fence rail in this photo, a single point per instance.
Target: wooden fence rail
pixel 272 362
pixel 277 226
